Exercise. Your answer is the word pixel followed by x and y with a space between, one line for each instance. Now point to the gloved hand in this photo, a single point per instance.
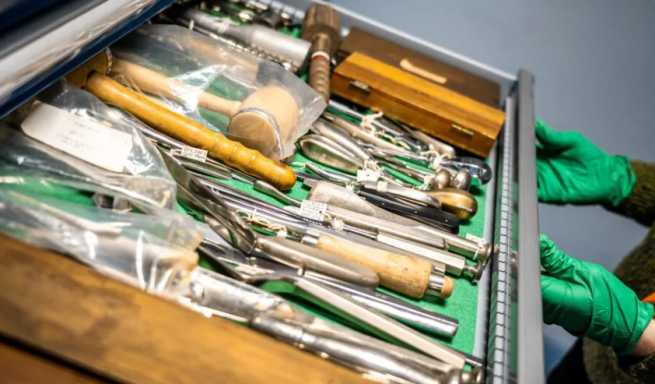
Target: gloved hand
pixel 587 300
pixel 571 169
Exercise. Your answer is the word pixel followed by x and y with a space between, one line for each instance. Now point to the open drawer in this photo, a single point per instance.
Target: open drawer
pixel 500 318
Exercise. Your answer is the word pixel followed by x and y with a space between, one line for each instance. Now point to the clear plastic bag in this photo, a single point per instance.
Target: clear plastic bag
pixel 155 256
pixel 254 101
pixel 143 180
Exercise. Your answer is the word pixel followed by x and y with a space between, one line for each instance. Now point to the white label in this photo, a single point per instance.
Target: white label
pixel 92 142
pixel 382 186
pixel 367 175
pixel 192 153
pixel 313 210
pixel 474 238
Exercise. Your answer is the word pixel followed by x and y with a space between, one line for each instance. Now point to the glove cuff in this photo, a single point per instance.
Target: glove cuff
pixel 624 179
pixel 644 316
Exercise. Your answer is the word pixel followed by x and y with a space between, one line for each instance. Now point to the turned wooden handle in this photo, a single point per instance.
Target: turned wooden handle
pixel 192 133
pixel 152 82
pixel 403 274
pixel 409 67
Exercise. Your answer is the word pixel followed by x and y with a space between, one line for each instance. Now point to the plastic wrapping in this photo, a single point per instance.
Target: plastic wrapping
pixel 155 256
pixel 251 100
pixel 144 179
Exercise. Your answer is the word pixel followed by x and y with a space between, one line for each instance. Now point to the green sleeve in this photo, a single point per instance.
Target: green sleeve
pixel 640 204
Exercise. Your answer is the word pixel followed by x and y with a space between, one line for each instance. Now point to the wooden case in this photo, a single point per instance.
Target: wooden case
pixel 422 104
pixel 465 83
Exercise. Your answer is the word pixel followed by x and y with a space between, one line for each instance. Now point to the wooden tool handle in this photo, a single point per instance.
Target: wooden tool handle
pixel 192 133
pixel 403 274
pixel 152 82
pixel 409 67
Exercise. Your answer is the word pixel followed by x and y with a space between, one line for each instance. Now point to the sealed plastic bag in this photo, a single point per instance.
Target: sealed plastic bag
pixel 71 137
pixel 154 255
pixel 251 100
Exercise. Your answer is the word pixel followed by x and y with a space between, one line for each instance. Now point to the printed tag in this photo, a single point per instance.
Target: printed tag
pixel 367 175
pixel 192 153
pixel 92 142
pixel 313 210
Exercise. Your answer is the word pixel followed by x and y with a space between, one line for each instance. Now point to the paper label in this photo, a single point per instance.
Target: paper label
pixel 192 153
pixel 474 238
pixel 92 142
pixel 367 175
pixel 313 210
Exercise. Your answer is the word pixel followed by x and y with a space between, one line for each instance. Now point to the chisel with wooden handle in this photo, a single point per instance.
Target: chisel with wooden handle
pixel 404 274
pixel 407 275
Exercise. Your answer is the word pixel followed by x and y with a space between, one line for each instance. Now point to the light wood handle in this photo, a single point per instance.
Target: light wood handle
pixel 192 133
pixel 152 82
pixel 403 274
pixel 409 67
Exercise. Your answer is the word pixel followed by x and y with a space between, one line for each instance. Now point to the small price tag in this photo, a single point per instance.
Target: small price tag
pixel 313 210
pixel 81 137
pixel 367 175
pixel 192 153
pixel 474 238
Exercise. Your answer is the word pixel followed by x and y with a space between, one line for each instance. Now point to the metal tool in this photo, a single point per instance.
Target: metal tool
pixel 340 137
pixel 456 265
pixel 344 307
pixel 276 44
pixel 418 232
pixel 232 228
pixel 357 133
pixel 409 314
pixel 332 194
pixel 416 279
pixel 327 152
pixel 477 169
pixel 443 149
pixel 444 220
pixel 380 124
pixel 216 295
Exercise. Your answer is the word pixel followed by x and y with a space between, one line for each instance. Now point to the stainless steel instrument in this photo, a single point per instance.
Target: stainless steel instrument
pixel 270 41
pixel 233 229
pixel 409 314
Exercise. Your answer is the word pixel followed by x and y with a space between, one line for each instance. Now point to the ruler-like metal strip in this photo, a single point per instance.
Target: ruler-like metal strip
pixel 498 346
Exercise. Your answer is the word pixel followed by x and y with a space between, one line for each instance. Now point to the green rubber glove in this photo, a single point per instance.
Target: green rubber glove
pixel 587 300
pixel 571 169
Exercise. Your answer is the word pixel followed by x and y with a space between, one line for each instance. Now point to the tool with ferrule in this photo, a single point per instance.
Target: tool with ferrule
pixel 409 314
pixel 349 310
pixel 411 209
pixel 400 273
pixel 230 226
pixel 216 295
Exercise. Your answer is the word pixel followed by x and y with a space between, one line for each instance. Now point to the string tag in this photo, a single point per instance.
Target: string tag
pixel 367 175
pixel 313 210
pixel 382 186
pixel 368 120
pixel 480 243
pixel 192 153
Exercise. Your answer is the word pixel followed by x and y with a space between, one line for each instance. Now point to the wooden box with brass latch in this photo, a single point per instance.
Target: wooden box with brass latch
pixel 422 104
